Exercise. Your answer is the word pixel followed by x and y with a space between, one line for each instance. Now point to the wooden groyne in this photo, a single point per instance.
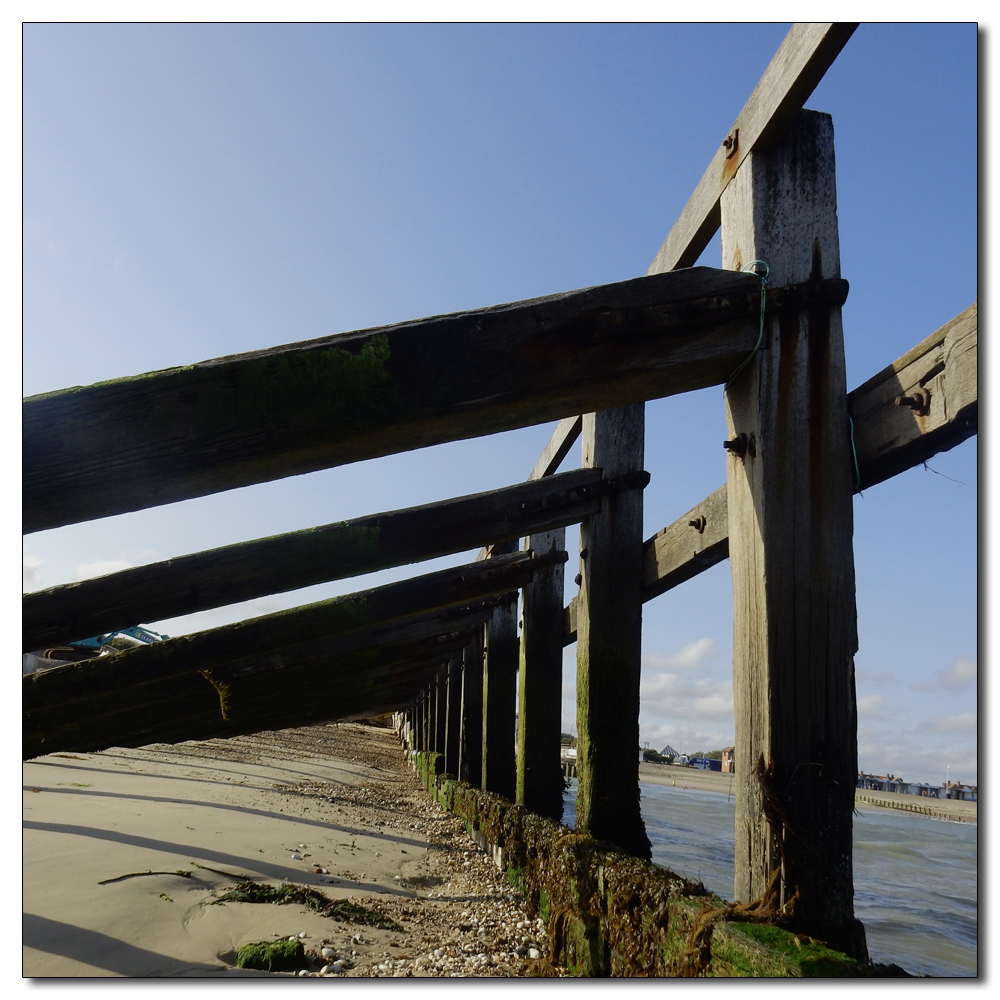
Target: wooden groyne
pixel 921 805
pixel 470 657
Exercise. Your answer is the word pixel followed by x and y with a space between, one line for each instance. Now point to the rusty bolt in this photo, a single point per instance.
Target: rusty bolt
pixel 578 579
pixel 738 445
pixel 919 401
pixel 732 142
pixel 699 523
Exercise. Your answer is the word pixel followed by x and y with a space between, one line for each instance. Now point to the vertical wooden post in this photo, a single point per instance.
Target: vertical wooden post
pixel 609 638
pixel 500 694
pixel 500 700
pixel 470 761
pixel 454 716
pixel 539 773
pixel 440 717
pixel 790 548
pixel 418 727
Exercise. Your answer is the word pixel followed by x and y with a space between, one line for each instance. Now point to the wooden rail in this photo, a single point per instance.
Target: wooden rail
pixel 298 559
pixel 166 436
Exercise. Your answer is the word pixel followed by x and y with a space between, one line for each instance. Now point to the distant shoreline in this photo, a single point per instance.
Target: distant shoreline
pixel 677 775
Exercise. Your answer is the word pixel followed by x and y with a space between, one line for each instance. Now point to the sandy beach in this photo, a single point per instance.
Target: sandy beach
pixel 716 781
pixel 182 822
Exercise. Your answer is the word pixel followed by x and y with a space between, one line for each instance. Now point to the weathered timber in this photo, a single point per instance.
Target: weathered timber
pixel 791 555
pixel 689 546
pixel 936 384
pixel 804 56
pixel 609 639
pixel 470 761
pixel 261 644
pixel 298 559
pixel 557 447
pixel 500 691
pixel 359 683
pixel 454 724
pixel 539 717
pixel 165 436
pixel 378 661
pixel 440 716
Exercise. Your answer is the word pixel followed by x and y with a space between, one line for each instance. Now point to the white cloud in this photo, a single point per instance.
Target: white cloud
pixel 959 674
pixel 101 567
pixel 963 722
pixel 29 571
pixel 870 704
pixel 694 654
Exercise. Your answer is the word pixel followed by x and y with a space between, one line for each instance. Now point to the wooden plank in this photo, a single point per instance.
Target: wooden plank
pixel 689 546
pixel 166 436
pixel 500 692
pixel 804 56
pixel 791 555
pixel 539 718
pixel 557 448
pixel 262 644
pixel 609 639
pixel 298 559
pixel 941 371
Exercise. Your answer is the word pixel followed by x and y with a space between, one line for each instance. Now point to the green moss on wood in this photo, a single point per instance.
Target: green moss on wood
pixel 611 914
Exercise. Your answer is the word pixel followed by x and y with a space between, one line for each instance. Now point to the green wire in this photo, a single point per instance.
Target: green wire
pixel 763 300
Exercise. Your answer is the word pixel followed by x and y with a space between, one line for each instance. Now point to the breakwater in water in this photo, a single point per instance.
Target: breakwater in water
pixel 916 878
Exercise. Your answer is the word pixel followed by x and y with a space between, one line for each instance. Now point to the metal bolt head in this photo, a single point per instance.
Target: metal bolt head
pixel 737 445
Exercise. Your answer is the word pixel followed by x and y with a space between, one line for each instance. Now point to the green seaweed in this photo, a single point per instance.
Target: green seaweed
pixel 344 910
pixel 271 956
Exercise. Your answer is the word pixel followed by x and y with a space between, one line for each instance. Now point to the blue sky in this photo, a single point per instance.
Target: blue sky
pixel 194 190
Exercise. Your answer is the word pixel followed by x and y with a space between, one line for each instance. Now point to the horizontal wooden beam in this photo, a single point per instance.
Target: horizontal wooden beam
pixel 937 385
pixel 264 643
pixel 889 437
pixel 805 54
pixel 281 563
pixel 166 436
pixel 194 706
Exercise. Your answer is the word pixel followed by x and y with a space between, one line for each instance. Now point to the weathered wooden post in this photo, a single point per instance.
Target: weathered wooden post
pixel 454 716
pixel 609 638
pixel 499 700
pixel 470 760
pixel 440 717
pixel 539 774
pixel 790 481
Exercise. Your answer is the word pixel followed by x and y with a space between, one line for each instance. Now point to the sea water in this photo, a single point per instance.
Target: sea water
pixel 915 878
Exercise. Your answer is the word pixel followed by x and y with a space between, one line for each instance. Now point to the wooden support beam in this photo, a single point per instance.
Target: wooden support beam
pixel 453 735
pixel 132 443
pixel 804 56
pixel 557 448
pixel 470 761
pixel 193 707
pixel 689 546
pixel 609 639
pixel 791 554
pixel 500 694
pixel 539 771
pixel 266 644
pixel 440 717
pixel 298 559
pixel 889 439
pixel 936 384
